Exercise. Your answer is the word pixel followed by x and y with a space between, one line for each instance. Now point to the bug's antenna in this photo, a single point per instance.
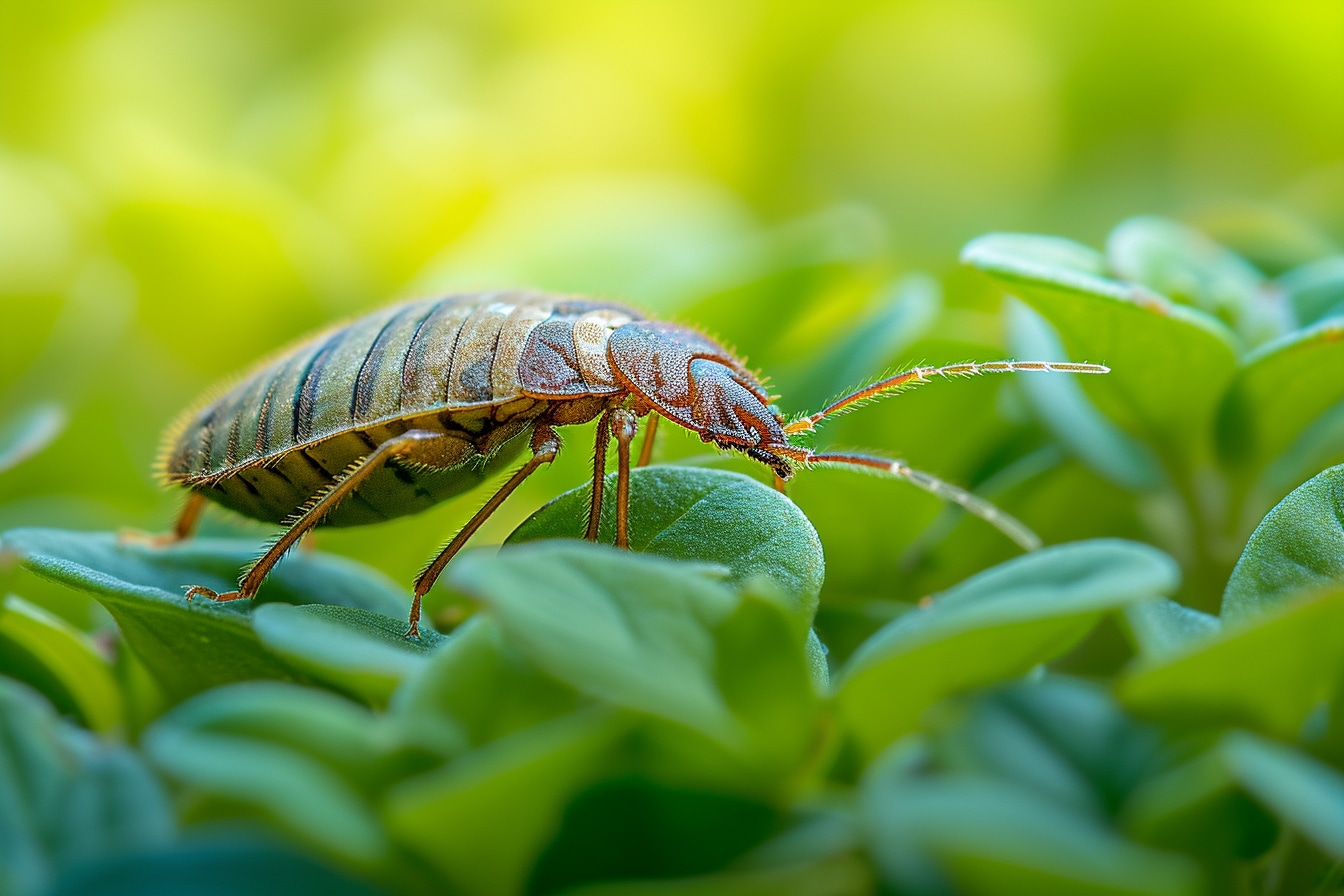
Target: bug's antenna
pixel 919 375
pixel 1005 523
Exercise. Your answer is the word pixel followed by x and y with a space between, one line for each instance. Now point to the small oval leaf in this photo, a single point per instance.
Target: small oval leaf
pixel 993 626
pixel 1298 546
pixel 710 516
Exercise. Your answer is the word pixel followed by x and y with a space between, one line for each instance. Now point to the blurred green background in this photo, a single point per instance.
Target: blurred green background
pixel 186 186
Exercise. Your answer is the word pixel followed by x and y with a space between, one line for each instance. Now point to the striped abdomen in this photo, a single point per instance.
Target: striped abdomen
pixel 458 365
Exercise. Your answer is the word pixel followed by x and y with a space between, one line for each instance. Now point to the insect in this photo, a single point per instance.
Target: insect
pixel 398 410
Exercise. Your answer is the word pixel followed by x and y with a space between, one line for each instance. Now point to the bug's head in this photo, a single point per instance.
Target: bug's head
pixel 700 385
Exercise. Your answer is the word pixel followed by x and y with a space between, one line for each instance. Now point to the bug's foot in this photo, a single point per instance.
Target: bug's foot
pixel 216 596
pixel 413 632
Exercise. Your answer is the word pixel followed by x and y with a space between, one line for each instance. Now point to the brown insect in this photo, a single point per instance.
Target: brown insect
pixel 403 408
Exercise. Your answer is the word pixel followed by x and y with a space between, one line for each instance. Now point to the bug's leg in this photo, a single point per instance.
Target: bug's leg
pixel 545 446
pixel 780 485
pixel 646 450
pixel 183 529
pixel 599 474
pixel 624 425
pixel 415 443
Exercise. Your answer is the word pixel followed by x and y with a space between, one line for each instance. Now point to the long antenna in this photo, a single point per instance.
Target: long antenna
pixel 919 375
pixel 973 504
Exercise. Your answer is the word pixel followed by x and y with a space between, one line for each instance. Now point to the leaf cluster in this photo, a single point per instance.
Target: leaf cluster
pixel 667 720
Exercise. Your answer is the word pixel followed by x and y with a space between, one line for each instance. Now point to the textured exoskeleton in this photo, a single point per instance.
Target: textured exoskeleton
pixel 398 410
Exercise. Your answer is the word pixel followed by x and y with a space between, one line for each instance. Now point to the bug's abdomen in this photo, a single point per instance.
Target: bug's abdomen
pixel 452 365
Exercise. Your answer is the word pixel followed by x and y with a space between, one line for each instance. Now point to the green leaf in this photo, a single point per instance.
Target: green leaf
pixel 305 798
pixel 364 653
pixel 114 806
pixel 634 630
pixel 64 658
pixel 974 835
pixel 454 819
pixel 34 770
pixel 1298 546
pixel 1162 627
pixel 29 433
pixel 478 688
pixel 1307 794
pixel 1147 341
pixel 1268 671
pixel 1063 406
pixel 1315 291
pixel 1282 388
pixel 622 829
pixel 1198 807
pixel 833 876
pixel 218 866
pixel 710 516
pixel 66 798
pixel 1186 265
pixel 993 626
pixel 190 646
pixel 1060 738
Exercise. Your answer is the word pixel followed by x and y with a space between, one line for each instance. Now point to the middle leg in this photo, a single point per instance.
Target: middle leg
pixel 545 447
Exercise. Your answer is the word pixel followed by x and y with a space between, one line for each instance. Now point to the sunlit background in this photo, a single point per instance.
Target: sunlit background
pixel 185 186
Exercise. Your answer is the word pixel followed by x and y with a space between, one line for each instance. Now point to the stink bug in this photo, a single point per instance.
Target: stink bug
pixel 422 401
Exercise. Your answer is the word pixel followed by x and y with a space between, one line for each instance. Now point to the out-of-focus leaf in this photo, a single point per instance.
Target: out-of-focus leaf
pixel 190 646
pixel 980 836
pixel 483 820
pixel 711 516
pixel 365 653
pixel 365 750
pixel 477 688
pixel 621 829
pixel 1186 265
pixel 114 806
pixel 1209 805
pixel 907 310
pixel 67 660
pixel 637 631
pixel 292 789
pixel 1307 794
pixel 836 876
pixel 1062 739
pixel 1279 391
pixel 1197 807
pixel 66 798
pixel 1298 546
pixel 768 681
pixel 34 770
pixel 215 867
pixel 1061 404
pixel 29 433
pixel 1315 291
pixel 1147 341
pixel 1161 626
pixel 1268 671
pixel 993 626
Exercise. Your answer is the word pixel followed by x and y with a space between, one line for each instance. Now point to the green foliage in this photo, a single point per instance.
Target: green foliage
pixel 667 719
